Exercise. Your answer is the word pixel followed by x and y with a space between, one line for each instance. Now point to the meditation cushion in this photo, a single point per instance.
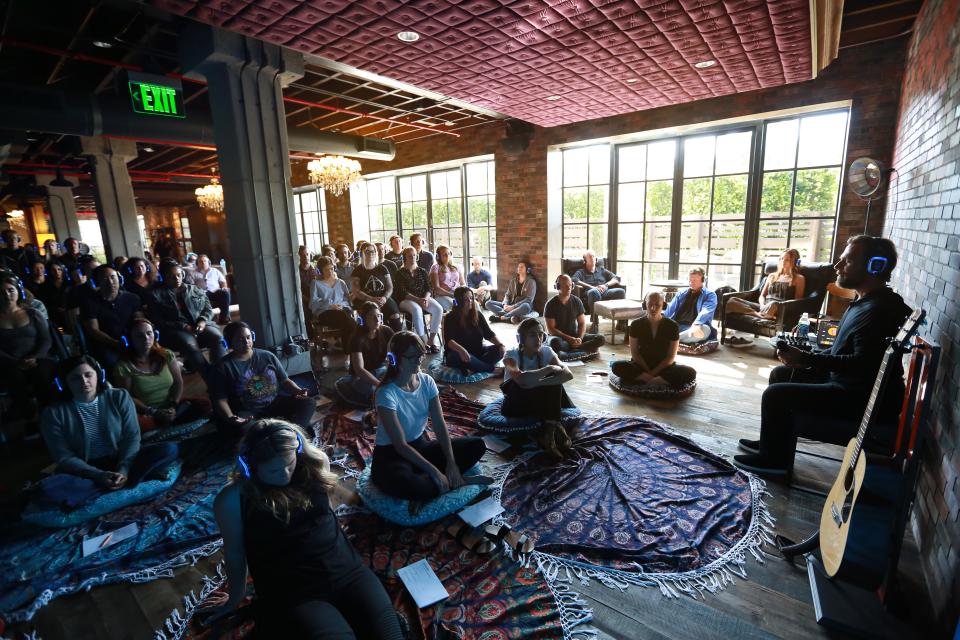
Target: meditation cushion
pixel 453 375
pixel 346 393
pixel 583 356
pixel 397 510
pixel 652 393
pixel 47 516
pixel 492 419
pixel 699 349
pixel 176 432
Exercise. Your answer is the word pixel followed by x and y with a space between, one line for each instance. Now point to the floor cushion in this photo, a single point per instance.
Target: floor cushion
pixel 346 392
pixel 453 375
pixel 699 349
pixel 46 516
pixel 583 356
pixel 651 393
pixel 397 510
pixel 492 419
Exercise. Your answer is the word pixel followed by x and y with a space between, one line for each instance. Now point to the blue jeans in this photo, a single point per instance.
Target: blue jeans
pixel 486 361
pixel 496 307
pixel 593 295
pixel 362 386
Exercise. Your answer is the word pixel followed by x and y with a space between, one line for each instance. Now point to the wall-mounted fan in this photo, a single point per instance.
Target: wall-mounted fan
pixel 865 177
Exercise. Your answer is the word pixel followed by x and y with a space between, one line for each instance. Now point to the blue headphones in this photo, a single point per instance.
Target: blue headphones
pixel 392 358
pixel 18 283
pixel 245 464
pixel 129 268
pixel 223 341
pixel 877 265
pixel 126 341
pixel 103 379
pixel 28 272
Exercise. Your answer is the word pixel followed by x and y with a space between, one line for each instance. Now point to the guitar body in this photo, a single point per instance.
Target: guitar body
pixel 838 510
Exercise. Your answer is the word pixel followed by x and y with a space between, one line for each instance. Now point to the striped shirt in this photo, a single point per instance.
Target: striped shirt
pixel 100 445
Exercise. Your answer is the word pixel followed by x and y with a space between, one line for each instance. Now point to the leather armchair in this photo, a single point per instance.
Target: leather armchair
pixel 571 265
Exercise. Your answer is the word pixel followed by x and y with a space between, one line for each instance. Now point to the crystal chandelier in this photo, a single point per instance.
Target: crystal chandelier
pixel 334 174
pixel 210 196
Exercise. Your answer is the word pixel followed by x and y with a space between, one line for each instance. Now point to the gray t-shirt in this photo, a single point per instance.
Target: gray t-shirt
pixel 567 315
pixel 249 385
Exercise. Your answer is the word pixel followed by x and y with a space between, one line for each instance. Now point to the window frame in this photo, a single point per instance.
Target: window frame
pixel 321 217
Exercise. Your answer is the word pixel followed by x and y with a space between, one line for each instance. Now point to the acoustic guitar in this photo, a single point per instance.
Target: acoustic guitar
pixel 835 521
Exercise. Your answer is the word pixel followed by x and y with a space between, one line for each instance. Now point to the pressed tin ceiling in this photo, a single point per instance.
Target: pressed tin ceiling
pixel 601 58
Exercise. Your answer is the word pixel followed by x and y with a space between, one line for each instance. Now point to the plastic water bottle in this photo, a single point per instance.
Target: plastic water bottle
pixel 803 329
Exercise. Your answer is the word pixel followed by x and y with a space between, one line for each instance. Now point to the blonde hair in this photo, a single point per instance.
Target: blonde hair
pixel 793 253
pixel 448 266
pixel 269 438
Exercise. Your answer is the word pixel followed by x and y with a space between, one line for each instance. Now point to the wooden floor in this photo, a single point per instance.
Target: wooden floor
pixel 774 602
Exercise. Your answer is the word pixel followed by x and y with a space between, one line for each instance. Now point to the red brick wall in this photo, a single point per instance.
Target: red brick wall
pixel 521 180
pixel 925 225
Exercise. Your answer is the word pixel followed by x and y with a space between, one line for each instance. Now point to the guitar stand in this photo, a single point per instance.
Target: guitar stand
pixel 790 549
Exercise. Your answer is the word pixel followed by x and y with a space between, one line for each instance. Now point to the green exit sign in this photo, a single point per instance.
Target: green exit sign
pixel 156 95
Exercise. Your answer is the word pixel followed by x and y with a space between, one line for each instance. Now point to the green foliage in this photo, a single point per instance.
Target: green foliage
pixel 817 191
pixel 659 199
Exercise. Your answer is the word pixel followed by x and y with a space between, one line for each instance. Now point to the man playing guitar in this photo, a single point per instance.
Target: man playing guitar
pixel 835 382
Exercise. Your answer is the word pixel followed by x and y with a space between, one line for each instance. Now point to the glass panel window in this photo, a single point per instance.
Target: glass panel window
pixel 586 191
pixel 382 208
pixel 310 217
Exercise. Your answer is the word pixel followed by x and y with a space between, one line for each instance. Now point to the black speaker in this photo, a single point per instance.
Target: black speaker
pixel 517 137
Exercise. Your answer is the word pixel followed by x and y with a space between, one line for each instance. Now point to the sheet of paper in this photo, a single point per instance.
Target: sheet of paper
pixel 495 444
pixel 422 583
pixel 596 379
pixel 476 514
pixel 99 543
pixel 355 415
pixel 574 363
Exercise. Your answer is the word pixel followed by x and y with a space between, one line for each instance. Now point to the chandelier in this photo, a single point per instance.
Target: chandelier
pixel 334 174
pixel 210 196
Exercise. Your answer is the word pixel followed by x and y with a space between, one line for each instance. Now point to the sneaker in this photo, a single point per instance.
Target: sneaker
pixel 750 446
pixel 755 463
pixel 738 343
pixel 594 327
pixel 495 319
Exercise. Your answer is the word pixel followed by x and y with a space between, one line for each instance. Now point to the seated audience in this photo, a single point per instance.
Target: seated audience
pixel 654 341
pixel 93 433
pixel 836 382
pixel 25 367
pixel 464 330
pixel 566 322
pixel 51 250
pixel 405 463
pixel 599 284
pixel 119 262
pixel 343 264
pixel 330 301
pixel 246 383
pixel 81 280
pixel 308 272
pixel 107 315
pixel 183 315
pixel 412 292
pixel 70 254
pixel 395 255
pixel 444 278
pixel 389 264
pixel 517 299
pixel 14 256
pixel 368 351
pixel 357 256
pixel 53 293
pixel 425 259
pixel 480 281
pixel 275 518
pixel 693 310
pixel 152 376
pixel 372 282
pixel 35 277
pixel 138 280
pixel 786 283
pixel 212 282
pixel 327 251
pixel 533 379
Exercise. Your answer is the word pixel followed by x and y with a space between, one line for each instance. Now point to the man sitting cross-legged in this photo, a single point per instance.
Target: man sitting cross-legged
pixel 566 322
pixel 693 310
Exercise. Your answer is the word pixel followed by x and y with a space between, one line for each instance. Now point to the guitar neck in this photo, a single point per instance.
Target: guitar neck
pixel 878 387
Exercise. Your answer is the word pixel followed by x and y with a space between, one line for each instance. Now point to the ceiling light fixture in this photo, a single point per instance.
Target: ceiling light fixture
pixel 408 36
pixel 705 64
pixel 553 98
pixel 148 149
pixel 16 213
pixel 631 80
pixel 334 174
pixel 102 44
pixel 210 196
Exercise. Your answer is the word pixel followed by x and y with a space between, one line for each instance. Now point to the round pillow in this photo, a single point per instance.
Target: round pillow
pixel 583 356
pixel 106 503
pixel 652 393
pixel 397 510
pixel 346 393
pixel 453 375
pixel 492 419
pixel 699 349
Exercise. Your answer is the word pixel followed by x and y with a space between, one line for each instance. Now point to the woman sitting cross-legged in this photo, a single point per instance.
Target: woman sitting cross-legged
pixel 654 341
pixel 275 518
pixel 330 301
pixel 533 379
pixel 152 376
pixel 405 463
pixel 93 433
pixel 464 330
pixel 517 299
pixel 246 383
pixel 412 292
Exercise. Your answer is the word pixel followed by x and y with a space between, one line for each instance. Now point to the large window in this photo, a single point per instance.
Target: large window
pixel 453 207
pixel 720 199
pixel 310 215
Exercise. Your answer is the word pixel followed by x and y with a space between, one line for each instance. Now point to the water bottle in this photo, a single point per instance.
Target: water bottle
pixel 803 329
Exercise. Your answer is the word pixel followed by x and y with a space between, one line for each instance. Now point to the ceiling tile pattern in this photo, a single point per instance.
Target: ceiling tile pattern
pixel 602 57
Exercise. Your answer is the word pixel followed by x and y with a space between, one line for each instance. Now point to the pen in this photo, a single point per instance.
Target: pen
pixel 105 540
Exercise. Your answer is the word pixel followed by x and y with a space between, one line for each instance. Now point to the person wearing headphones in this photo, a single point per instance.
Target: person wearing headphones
pixel 246 383
pixel 25 367
pixel 444 278
pixel 137 280
pixel 786 283
pixel 53 293
pixel 276 521
pixel 517 299
pixel 71 254
pixel 412 293
pixel 838 381
pixel 464 330
pixel 35 277
pixel 533 379
pixel 693 309
pixel 107 315
pixel 152 376
pixel 368 354
pixel 330 301
pixel 81 287
pixel 654 341
pixel 92 433
pixel 372 283
pixel 183 314
pixel 567 322
pixel 406 464
pixel 13 256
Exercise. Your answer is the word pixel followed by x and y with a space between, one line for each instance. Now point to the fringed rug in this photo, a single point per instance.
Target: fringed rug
pixel 491 597
pixel 176 528
pixel 641 506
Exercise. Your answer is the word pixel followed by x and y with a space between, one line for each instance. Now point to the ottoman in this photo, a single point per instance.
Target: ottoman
pixel 618 310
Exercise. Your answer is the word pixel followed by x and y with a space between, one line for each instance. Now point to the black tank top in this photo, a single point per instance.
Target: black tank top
pixel 305 559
